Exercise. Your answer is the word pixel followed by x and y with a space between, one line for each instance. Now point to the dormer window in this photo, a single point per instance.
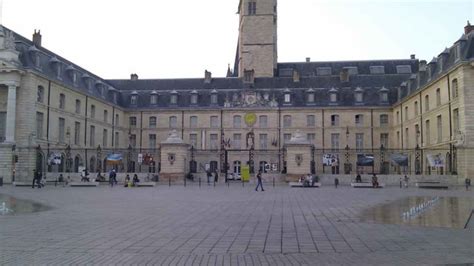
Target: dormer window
pixel 310 96
pixel 174 97
pixel 287 96
pixel 383 95
pixel 35 56
pixel 88 81
pixel 153 98
pixel 194 97
pixel 404 69
pixel 134 98
pixel 235 97
pixel 359 95
pixel 333 95
pixel 72 72
pixel 56 66
pixel 214 97
pixel 374 70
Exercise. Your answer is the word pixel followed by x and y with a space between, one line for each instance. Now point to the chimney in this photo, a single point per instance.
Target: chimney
pixel 207 76
pixel 468 28
pixel 344 75
pixel 308 59
pixel 422 64
pixel 412 57
pixel 37 38
pixel 296 76
pixel 133 77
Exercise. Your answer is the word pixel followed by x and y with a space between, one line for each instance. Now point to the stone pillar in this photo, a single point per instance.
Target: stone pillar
pixel 174 158
pixel 298 157
pixel 11 115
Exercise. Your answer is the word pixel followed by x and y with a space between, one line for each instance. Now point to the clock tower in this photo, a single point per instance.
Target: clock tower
pixel 257 48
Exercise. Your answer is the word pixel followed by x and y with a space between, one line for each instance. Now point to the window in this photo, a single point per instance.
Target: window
pixel 263 121
pixel 174 98
pixel 106 116
pixel 456 121
pixel 214 98
pixel 117 139
pixel 286 137
pixel 438 97
pixel 417 110
pixel 263 141
pixel 440 129
pixel 133 121
pixel 427 132
pixel 417 134
pixel 335 141
pixel 404 69
pixel 377 70
pixel 152 141
pixel 92 136
pixel 383 120
pixel 237 121
pixel 116 120
pixel 323 71
pixel 153 99
pixel 194 98
pixel 406 113
pixel 236 144
pixel 287 98
pixel 333 97
pixel 310 121
pixel 39 125
pixel 287 121
pixel 173 123
pixel 214 122
pixel 359 97
pixel 193 140
pixel 384 96
pixel 406 138
pixel 77 133
pixel 398 117
pixel 252 8
pixel 213 142
pixel 133 99
pixel 398 139
pixel 92 111
pixel 152 122
pixel 384 140
pixel 359 142
pixel 133 140
pixel 427 103
pixel 104 138
pixel 62 101
pixel 359 120
pixel 454 88
pixel 61 126
pixel 335 120
pixel 193 122
pixel 40 94
pixel 311 137
pixel 310 97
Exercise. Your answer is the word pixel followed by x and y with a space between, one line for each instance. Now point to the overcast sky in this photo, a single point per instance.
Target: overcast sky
pixel 182 38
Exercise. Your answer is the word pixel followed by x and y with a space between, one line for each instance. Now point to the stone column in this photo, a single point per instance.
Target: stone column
pixel 11 114
pixel 298 157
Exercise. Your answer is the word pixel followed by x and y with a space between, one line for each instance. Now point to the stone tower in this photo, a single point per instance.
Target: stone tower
pixel 257 48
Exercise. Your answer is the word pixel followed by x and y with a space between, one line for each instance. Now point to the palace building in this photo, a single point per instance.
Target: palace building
pixel 390 117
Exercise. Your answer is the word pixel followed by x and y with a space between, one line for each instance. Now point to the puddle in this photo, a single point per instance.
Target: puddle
pixel 12 206
pixel 450 212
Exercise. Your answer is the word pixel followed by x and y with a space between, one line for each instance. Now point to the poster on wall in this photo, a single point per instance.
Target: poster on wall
pixel 54 159
pixel 330 159
pixel 399 159
pixel 436 160
pixel 365 159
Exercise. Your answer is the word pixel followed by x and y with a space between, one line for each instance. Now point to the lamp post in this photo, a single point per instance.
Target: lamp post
pixel 417 154
pixel 347 165
pixel 99 159
pixel 382 159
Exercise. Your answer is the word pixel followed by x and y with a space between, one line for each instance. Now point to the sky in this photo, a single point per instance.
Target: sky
pixel 182 38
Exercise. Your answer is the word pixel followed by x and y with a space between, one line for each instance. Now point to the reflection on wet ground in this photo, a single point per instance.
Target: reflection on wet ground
pixel 12 206
pixel 450 212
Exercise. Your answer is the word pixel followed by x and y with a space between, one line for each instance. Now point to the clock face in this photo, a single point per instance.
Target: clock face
pixel 250 119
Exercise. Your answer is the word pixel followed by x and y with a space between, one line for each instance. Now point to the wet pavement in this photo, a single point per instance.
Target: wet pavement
pixel 10 205
pixel 237 226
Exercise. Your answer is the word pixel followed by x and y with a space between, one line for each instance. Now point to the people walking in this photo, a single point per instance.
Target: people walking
pixel 375 182
pixel 406 181
pixel 259 181
pixel 336 182
pixel 467 182
pixel 36 179
pixel 216 176
pixel 209 175
pixel 112 178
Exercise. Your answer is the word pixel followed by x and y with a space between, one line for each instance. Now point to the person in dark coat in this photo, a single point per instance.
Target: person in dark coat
pixel 259 181
pixel 216 176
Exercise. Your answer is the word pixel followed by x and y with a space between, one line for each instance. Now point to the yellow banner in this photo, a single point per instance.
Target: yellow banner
pixel 245 173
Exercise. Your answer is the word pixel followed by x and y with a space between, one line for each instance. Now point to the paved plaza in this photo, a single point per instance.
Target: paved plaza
pixel 223 226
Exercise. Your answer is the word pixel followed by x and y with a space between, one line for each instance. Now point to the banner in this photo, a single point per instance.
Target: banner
pixel 114 158
pixel 436 160
pixel 399 159
pixel 54 159
pixel 365 159
pixel 330 159
pixel 245 173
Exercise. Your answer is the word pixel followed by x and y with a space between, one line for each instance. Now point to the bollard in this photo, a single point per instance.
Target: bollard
pixel 169 181
pixel 199 182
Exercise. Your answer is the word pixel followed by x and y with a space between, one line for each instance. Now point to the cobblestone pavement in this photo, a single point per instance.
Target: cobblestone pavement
pixel 222 226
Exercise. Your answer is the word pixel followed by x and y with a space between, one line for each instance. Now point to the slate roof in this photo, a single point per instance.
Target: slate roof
pixel 370 76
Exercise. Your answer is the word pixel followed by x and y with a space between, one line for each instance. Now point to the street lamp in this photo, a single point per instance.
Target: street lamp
pixel 99 159
pixel 347 165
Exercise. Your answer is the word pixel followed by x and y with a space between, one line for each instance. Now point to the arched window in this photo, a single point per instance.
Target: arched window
pixel 152 122
pixel 417 110
pixel 287 121
pixel 40 94
pixel 335 120
pixel 383 95
pixel 427 103
pixel 134 99
pixel 333 95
